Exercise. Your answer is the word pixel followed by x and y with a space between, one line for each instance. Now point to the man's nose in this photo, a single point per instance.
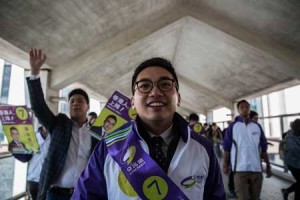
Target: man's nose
pixel 155 90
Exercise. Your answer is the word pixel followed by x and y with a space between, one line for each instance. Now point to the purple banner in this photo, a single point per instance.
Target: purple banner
pixel 14 115
pixel 119 104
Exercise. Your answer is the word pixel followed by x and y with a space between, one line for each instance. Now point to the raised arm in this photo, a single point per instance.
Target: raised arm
pixel 38 103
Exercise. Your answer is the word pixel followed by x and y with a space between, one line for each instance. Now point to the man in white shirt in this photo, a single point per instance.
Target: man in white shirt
pixel 245 143
pixel 70 145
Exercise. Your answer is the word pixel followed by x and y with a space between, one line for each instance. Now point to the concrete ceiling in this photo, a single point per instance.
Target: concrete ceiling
pixel 221 50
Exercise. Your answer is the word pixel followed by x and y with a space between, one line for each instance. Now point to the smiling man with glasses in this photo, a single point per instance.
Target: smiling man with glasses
pixel 157 156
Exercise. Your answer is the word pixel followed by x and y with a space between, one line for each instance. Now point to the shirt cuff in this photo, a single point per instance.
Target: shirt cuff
pixel 34 77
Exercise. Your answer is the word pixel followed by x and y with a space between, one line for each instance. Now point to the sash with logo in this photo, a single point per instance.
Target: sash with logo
pixel 143 173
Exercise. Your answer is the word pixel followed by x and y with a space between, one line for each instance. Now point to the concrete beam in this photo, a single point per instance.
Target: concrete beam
pixel 189 108
pixel 277 87
pixel 259 41
pixel 185 111
pixel 15 55
pixel 207 92
pixel 84 64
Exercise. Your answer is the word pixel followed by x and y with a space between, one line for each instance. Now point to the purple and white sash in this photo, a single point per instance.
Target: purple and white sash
pixel 144 174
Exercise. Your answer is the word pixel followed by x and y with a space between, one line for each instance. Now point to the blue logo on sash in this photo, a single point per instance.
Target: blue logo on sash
pixel 192 180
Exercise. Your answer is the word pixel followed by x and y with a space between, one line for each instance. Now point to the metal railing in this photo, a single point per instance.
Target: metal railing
pixel 5 155
pixel 274 127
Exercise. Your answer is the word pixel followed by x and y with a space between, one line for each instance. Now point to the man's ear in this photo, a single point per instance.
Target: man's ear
pixel 179 100
pixel 132 101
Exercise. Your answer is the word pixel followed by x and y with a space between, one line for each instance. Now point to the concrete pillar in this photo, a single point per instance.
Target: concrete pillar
pixel 6 75
pixel 210 117
pixel 276 105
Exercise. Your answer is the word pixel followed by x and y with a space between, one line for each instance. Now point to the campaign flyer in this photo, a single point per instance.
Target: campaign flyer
pixel 116 113
pixel 18 129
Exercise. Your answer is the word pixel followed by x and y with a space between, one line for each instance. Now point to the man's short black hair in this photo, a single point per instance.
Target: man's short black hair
pixel 81 92
pixel 252 114
pixel 157 62
pixel 296 127
pixel 111 116
pixel 13 128
pixel 92 114
pixel 242 101
pixel 194 117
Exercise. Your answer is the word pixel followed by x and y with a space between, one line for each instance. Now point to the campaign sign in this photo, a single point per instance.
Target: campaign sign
pixel 18 129
pixel 116 113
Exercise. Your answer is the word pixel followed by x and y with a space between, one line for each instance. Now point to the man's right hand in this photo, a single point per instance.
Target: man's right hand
pixel 226 169
pixel 37 59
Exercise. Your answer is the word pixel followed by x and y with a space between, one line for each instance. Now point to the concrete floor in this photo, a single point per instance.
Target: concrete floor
pixel 271 188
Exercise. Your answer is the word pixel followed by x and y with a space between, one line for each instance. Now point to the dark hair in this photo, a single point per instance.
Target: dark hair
pixel 157 62
pixel 81 92
pixel 40 129
pixel 13 128
pixel 111 116
pixel 296 127
pixel 242 101
pixel 252 114
pixel 194 117
pixel 92 114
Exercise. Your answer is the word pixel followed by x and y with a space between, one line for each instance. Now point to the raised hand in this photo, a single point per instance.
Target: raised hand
pixel 37 59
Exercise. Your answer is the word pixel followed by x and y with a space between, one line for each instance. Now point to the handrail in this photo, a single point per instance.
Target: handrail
pixel 19 196
pixel 5 155
pixel 275 116
pixel 274 139
pixel 268 117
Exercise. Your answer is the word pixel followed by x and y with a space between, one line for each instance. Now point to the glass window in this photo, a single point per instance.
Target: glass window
pixel 12 177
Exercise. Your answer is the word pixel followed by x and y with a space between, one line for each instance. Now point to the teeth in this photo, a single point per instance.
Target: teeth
pixel 156 104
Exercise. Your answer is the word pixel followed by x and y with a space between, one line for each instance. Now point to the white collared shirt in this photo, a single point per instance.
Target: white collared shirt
pixel 36 162
pixel 167 137
pixel 103 131
pixel 77 157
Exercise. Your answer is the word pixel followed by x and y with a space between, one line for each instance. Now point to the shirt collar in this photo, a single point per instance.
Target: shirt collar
pixel 86 124
pixel 167 136
pixel 179 128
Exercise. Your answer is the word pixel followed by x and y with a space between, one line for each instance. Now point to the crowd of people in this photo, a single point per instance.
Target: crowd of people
pixel 155 156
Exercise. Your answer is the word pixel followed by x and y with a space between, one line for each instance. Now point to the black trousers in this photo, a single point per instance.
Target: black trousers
pixel 33 188
pixel 231 181
pixel 295 187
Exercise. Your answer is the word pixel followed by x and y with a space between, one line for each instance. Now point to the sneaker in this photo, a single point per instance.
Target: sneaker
pixel 285 194
pixel 231 193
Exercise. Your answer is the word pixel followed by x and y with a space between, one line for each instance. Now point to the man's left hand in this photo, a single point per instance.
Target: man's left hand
pixel 268 171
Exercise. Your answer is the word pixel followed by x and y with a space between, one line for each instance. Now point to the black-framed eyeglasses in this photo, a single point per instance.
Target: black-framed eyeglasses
pixel 165 85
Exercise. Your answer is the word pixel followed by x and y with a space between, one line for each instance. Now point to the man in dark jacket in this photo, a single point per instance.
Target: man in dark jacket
pixel 70 146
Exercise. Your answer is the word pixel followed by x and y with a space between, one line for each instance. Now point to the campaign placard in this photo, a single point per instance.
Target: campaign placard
pixel 18 129
pixel 116 113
